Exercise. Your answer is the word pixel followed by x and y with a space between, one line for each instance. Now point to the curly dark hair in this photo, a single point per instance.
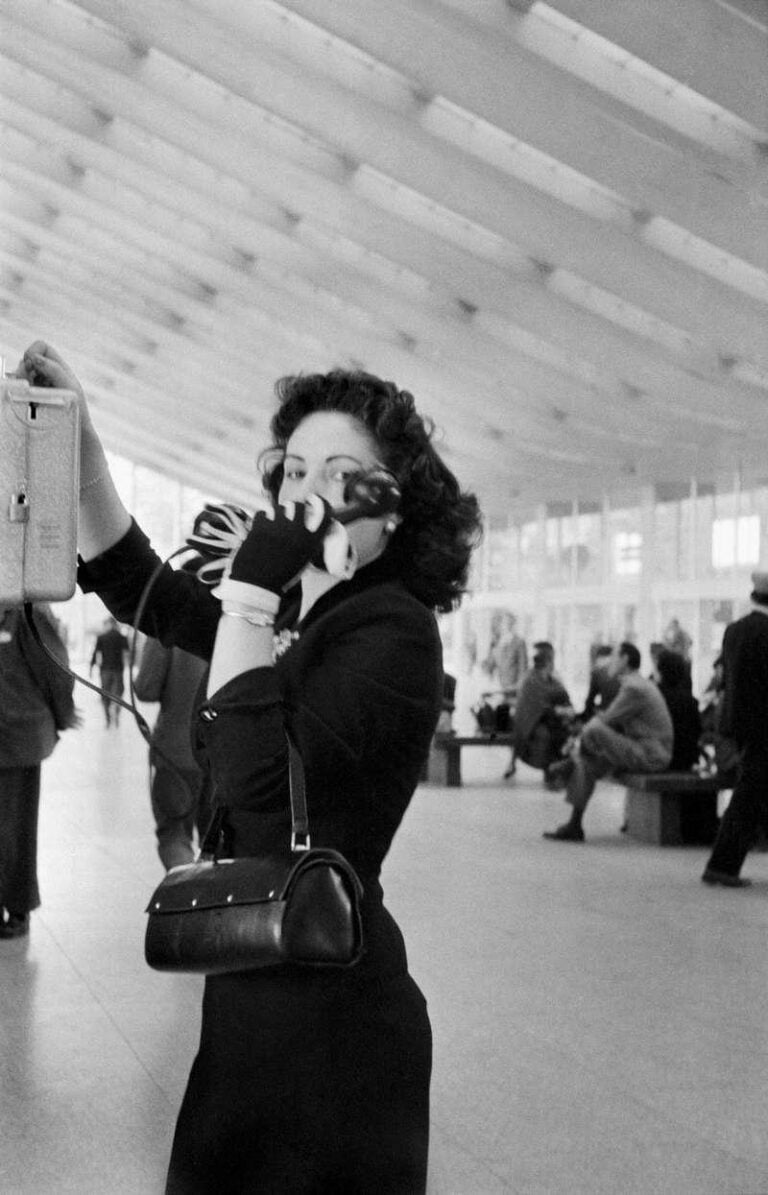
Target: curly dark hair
pixel 630 654
pixel 673 670
pixel 441 523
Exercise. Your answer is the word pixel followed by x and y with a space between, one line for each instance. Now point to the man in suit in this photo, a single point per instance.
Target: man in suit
pixel 744 718
pixel 634 734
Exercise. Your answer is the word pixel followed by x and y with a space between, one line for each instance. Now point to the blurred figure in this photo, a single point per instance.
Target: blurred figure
pixel 445 721
pixel 111 652
pixel 510 656
pixel 35 705
pixel 653 651
pixel 179 787
pixel 722 753
pixel 676 639
pixel 603 684
pixel 674 683
pixel 543 714
pixel 744 718
pixel 711 697
pixel 698 821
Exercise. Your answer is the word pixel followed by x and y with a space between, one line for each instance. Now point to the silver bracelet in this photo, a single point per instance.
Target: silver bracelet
pixel 257 618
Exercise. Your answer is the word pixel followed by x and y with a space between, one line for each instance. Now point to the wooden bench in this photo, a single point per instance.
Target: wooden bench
pixel 671 808
pixel 444 763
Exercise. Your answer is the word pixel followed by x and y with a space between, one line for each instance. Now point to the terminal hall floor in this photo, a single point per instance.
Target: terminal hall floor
pixel 600 1016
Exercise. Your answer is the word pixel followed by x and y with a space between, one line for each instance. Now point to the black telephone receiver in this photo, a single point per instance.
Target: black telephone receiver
pixel 369 496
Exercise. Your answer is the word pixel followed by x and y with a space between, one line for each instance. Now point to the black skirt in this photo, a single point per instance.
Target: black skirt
pixel 309 1081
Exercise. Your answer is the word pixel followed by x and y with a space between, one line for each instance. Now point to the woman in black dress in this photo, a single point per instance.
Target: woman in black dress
pixel 674 681
pixel 308 1080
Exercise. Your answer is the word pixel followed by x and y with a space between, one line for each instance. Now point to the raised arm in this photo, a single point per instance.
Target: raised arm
pixel 103 518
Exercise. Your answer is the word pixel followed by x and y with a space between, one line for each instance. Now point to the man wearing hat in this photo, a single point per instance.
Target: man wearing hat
pixel 744 718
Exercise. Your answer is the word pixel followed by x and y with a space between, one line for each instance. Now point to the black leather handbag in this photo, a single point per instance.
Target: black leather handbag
pixel 221 915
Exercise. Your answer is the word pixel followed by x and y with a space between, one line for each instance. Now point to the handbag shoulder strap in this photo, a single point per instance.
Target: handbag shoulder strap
pixel 300 840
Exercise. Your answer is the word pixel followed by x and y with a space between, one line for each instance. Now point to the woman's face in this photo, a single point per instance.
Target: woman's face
pixel 324 452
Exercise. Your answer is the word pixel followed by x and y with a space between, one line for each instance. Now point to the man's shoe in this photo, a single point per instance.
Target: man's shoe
pixel 565 833
pixel 16 926
pixel 725 878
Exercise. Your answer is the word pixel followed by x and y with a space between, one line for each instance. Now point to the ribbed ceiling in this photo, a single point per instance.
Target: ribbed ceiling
pixel 549 221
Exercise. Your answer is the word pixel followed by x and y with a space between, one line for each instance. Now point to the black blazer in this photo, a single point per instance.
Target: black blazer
pixel 359 689
pixel 744 711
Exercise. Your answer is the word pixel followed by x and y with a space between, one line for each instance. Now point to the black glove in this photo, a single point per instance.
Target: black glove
pixel 219 530
pixel 210 572
pixel 282 541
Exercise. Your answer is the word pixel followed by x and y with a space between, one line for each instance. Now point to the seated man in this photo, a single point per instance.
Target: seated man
pixel 543 712
pixel 604 685
pixel 633 735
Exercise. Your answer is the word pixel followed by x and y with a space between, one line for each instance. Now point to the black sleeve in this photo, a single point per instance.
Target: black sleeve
pixel 180 612
pixel 589 701
pixel 727 723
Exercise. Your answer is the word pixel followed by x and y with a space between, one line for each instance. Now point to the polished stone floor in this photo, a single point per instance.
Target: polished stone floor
pixel 599 1015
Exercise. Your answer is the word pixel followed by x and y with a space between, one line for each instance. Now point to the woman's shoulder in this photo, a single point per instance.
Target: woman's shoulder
pixel 372 597
pixel 391 602
pixel 381 629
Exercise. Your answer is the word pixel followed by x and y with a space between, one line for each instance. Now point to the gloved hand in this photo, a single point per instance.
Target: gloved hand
pixel 210 572
pixel 217 533
pixel 219 530
pixel 281 542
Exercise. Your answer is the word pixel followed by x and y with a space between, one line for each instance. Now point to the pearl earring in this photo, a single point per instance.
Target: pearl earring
pixel 390 526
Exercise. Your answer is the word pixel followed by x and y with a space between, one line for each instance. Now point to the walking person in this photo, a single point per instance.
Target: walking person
pixel 744 719
pixel 179 786
pixel 111 652
pixel 308 1079
pixel 35 706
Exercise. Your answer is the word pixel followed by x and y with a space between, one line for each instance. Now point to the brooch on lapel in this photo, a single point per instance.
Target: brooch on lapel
pixel 281 641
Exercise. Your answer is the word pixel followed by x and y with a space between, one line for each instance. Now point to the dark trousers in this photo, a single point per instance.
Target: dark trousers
pixel 19 807
pixel 181 803
pixel 746 814
pixel 112 684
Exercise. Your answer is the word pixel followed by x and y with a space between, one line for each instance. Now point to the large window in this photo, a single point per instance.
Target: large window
pixel 589 544
pixel 673 543
pixel 502 554
pixel 736 541
pixel 625 541
pixel 627 553
pixel 530 552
